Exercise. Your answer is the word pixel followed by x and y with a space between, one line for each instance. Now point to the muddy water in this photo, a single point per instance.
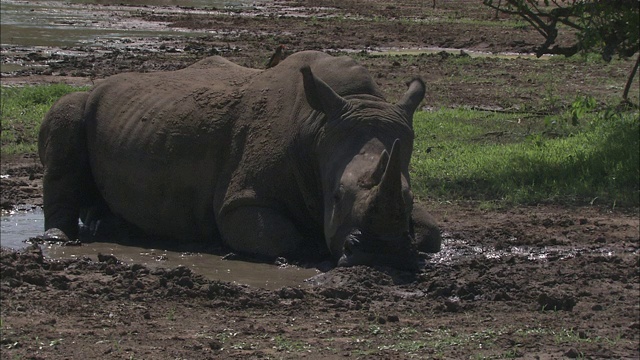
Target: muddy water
pixel 211 266
pixel 91 27
pixel 21 225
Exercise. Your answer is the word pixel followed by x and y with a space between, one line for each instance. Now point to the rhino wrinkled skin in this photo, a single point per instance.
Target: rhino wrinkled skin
pixel 304 159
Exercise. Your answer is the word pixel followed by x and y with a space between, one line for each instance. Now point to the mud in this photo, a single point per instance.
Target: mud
pixel 580 298
pixel 545 282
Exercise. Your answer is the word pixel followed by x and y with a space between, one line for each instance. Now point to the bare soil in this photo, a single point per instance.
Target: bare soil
pixel 545 282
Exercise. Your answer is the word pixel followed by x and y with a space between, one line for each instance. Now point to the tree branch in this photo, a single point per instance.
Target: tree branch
pixel 627 86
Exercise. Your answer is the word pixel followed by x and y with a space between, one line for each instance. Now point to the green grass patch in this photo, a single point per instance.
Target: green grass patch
pixel 285 344
pixel 518 158
pixel 21 112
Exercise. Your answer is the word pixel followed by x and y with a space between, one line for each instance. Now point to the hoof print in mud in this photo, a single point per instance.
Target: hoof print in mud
pixel 556 302
pixel 109 259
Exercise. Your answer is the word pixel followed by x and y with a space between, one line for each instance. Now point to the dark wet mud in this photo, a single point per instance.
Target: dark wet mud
pixel 574 292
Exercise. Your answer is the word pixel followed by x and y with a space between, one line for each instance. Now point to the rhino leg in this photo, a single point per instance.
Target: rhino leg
pixel 67 182
pixel 259 231
pixel 426 231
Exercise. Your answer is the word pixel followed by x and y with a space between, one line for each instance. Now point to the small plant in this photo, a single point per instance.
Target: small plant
pixel 580 107
pixel 375 330
pixel 284 344
pixel 116 345
pixel 171 315
pixel 553 101
pixel 512 354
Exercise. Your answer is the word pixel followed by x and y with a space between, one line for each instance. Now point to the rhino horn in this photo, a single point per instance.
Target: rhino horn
pixel 391 181
pixel 376 176
pixel 412 98
pixel 321 96
pixel 389 196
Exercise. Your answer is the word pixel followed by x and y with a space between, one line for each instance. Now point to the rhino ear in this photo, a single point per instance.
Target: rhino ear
pixel 412 98
pixel 320 95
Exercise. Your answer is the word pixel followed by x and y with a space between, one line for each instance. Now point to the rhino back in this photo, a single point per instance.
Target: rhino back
pixel 158 143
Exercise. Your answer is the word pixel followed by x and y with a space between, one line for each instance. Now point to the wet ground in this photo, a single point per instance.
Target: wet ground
pixel 22 228
pixel 546 281
pixel 542 281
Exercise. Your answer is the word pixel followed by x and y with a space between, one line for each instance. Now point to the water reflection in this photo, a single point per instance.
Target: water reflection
pixel 17 226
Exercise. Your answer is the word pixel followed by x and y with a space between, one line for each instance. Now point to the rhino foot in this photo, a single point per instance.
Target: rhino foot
pixel 54 235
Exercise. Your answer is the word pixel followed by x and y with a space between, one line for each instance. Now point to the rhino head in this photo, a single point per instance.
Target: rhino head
pixel 363 149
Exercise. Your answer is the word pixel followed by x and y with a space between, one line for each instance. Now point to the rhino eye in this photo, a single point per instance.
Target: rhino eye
pixel 338 194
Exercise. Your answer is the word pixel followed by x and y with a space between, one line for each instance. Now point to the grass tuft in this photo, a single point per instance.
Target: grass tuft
pixel 21 112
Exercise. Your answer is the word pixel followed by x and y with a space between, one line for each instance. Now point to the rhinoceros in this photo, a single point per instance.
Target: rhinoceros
pixel 305 158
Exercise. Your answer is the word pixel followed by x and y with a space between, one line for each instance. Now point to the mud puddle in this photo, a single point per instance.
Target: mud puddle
pixel 17 227
pixel 210 266
pixel 36 34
